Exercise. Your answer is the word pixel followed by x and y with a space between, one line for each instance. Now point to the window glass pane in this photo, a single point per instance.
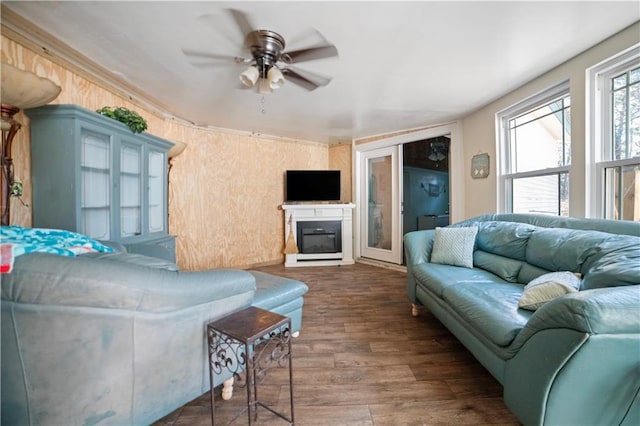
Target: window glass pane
pixel 156 191
pixel 130 191
pixel 542 194
pixel 541 143
pixel 625 116
pixel 619 81
pixel 634 75
pixel 619 125
pixel 95 160
pixel 622 193
pixel 537 140
pixel 634 120
pixel 380 201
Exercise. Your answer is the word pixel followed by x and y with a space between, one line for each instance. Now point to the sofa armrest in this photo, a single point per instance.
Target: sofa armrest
pixel 592 331
pixel 417 248
pixel 612 310
pixel 40 278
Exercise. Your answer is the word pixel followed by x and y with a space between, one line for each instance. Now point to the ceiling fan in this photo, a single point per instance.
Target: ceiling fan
pixel 269 63
pixel 438 151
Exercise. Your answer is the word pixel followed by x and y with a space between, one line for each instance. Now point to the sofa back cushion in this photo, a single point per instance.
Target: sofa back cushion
pixel 616 263
pixel 604 259
pixel 504 238
pixel 504 267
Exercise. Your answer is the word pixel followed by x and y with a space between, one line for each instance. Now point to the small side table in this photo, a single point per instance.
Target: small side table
pixel 251 340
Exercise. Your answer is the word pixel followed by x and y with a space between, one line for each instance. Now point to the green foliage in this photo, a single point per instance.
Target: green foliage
pixel 131 119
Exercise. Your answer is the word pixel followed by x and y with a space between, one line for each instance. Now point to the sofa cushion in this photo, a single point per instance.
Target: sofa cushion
pixel 604 259
pixel 530 272
pixel 504 267
pixel 490 308
pixel 504 238
pixel 547 287
pixel 454 246
pixel 47 279
pixel 273 290
pixel 616 263
pixel 558 249
pixel 134 259
pixel 437 278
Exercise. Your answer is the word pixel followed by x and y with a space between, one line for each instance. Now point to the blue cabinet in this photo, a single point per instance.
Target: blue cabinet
pixel 92 175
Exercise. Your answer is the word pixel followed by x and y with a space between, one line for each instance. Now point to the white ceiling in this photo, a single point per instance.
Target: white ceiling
pixel 401 65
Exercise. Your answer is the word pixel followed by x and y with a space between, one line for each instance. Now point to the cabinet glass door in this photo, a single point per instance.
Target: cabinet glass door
pixel 157 177
pixel 130 191
pixel 95 205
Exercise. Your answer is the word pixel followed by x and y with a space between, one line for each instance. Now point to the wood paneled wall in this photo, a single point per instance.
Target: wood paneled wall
pixel 224 190
pixel 340 158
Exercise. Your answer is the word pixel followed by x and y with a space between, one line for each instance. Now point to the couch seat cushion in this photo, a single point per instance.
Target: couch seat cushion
pixel 273 291
pixel 490 308
pixel 436 277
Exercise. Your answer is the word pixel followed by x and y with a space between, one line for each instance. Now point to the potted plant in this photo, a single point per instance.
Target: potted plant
pixel 131 119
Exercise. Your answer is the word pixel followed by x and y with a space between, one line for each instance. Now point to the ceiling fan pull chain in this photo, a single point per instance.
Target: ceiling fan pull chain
pixel 262 101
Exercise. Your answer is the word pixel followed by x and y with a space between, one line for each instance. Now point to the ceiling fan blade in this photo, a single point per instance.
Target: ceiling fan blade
pixel 306 79
pixel 199 55
pixel 243 23
pixel 309 54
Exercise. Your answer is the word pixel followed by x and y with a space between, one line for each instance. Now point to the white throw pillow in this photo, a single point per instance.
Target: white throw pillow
pixel 454 246
pixel 547 287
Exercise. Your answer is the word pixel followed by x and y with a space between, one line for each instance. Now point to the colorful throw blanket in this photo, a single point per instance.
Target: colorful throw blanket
pixel 16 240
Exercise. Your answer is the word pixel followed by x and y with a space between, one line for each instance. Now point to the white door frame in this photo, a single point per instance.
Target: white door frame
pixel 394 254
pixel 456 172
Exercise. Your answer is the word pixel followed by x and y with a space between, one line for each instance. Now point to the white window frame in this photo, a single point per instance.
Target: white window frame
pixel 503 148
pixel 598 110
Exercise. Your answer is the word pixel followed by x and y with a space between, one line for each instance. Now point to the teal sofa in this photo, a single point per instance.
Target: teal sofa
pixel 576 359
pixel 117 338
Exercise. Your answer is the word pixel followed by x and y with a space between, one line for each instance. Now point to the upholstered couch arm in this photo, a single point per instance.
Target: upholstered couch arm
pixel 583 341
pixel 417 248
pixel 40 278
pixel 613 310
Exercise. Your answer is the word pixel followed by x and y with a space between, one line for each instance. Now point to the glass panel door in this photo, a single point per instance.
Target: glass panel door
pixel 95 185
pixel 380 205
pixel 157 177
pixel 130 191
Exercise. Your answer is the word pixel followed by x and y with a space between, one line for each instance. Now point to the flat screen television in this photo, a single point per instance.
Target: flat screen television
pixel 312 185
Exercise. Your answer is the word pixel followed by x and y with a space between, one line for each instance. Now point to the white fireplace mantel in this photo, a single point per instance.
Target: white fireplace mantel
pixel 302 212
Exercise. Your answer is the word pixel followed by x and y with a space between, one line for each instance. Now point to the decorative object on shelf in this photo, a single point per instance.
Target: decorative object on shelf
pixel 480 166
pixel 269 64
pixel 291 247
pixel 129 118
pixel 20 89
pixel 174 151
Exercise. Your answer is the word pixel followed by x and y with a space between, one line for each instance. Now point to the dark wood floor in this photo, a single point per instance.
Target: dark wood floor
pixel 362 359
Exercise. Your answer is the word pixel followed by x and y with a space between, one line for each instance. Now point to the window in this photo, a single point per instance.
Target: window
pixel 615 143
pixel 535 153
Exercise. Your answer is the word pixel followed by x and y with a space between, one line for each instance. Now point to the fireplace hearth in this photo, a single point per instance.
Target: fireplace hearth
pixel 320 237
pixel 323 233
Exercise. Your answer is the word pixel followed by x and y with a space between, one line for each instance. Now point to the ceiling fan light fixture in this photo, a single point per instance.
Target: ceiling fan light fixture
pixel 275 78
pixel 264 86
pixel 250 76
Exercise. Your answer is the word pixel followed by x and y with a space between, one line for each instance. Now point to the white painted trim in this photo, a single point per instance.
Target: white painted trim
pixel 595 129
pixel 504 178
pixel 456 169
